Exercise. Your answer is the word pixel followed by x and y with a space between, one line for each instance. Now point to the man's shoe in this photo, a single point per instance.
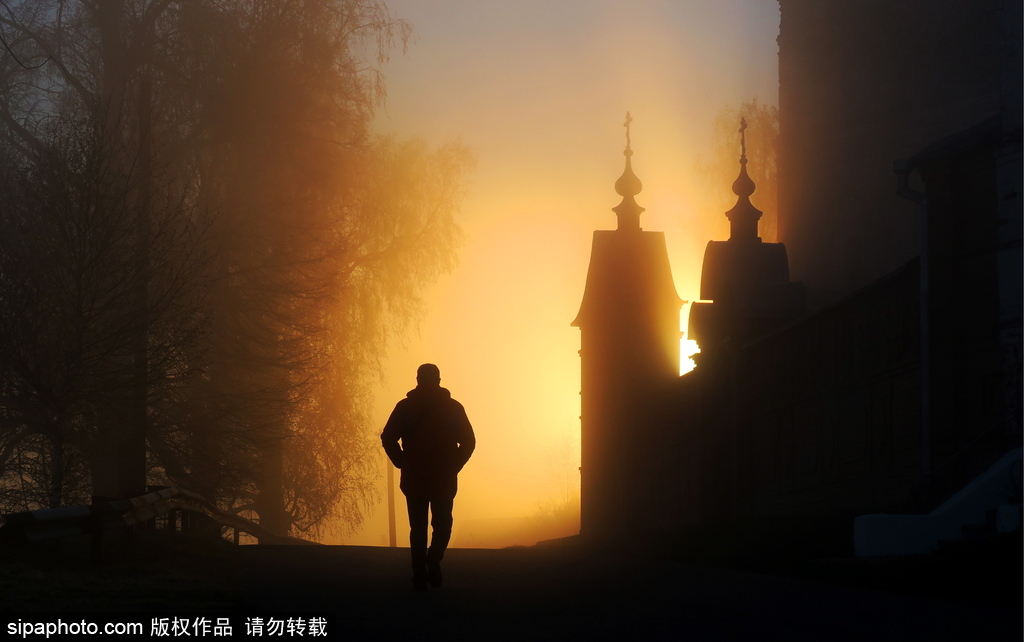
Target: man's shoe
pixel 434 573
pixel 419 575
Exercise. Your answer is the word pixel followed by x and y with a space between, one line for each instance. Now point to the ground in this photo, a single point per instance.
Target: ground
pixel 556 591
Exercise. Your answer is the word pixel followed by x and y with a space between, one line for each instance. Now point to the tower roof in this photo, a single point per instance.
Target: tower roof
pixel 628 186
pixel 743 216
pixel 629 277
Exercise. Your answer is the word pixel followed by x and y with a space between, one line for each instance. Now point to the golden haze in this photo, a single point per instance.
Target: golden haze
pixel 544 116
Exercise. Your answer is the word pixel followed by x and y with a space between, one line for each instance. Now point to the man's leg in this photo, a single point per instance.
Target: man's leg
pixel 441 526
pixel 418 539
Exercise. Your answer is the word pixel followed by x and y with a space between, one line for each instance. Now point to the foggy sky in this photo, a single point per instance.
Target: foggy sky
pixel 539 91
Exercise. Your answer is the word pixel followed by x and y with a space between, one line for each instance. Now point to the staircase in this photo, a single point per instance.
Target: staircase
pixel 989 505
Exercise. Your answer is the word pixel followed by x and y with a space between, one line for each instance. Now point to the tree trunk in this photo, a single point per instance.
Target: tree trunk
pixel 270 503
pixel 56 494
pixel 134 463
pixel 108 15
pixel 123 452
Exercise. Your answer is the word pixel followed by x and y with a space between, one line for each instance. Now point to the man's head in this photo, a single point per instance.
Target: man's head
pixel 428 375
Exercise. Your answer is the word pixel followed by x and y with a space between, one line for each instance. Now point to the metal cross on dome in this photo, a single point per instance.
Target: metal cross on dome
pixel 743 137
pixel 629 119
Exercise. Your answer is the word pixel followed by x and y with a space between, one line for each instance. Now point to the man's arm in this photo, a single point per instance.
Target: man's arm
pixel 392 433
pixel 467 440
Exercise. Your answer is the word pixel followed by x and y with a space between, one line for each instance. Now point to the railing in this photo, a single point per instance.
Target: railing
pixel 94 519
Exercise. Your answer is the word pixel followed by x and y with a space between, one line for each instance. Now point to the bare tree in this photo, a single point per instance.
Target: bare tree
pixel 324 236
pixel 244 355
pixel 99 260
pixel 70 314
pixel 401 236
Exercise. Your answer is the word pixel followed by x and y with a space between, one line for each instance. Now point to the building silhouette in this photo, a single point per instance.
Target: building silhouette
pixel 744 285
pixel 885 382
pixel 863 83
pixel 629 326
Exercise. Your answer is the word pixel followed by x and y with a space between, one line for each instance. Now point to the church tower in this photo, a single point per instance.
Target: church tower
pixel 744 281
pixel 629 327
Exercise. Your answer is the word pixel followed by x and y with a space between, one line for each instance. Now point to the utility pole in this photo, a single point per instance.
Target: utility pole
pixel 392 539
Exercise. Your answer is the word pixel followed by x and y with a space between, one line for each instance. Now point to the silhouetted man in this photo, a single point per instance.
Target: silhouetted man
pixel 437 441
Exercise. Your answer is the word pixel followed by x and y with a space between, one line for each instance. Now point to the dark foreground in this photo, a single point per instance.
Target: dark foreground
pixel 546 592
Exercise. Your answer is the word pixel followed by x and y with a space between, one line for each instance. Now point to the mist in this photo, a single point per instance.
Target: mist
pixel 539 93
pixel 237 235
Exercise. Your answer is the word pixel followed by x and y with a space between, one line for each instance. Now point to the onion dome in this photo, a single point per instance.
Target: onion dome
pixel 743 217
pixel 627 187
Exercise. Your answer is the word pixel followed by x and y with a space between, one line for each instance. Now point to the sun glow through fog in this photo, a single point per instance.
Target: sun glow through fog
pixel 687 348
pixel 541 101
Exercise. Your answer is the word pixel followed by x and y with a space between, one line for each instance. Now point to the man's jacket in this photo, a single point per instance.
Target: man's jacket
pixel 436 442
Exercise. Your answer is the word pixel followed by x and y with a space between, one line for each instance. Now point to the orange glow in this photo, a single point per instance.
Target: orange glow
pixel 544 116
pixel 687 348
